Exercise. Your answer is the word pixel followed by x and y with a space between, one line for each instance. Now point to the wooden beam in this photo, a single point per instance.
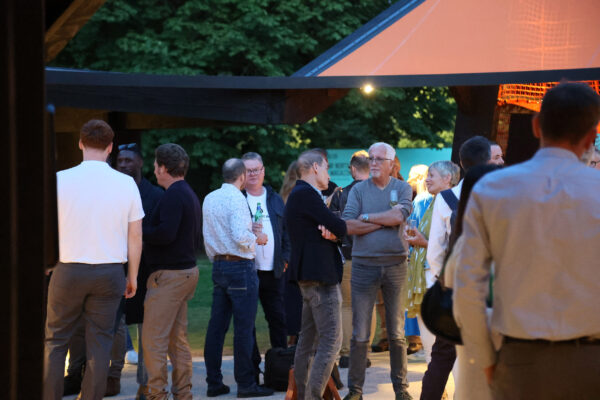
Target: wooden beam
pixel 68 24
pixel 475 113
pixel 302 105
pixel 69 119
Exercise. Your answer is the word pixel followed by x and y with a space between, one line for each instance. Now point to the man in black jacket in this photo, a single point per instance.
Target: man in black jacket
pixel 130 162
pixel 316 264
pixel 271 259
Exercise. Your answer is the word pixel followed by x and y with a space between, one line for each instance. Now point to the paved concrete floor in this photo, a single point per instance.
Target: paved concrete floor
pixel 377 384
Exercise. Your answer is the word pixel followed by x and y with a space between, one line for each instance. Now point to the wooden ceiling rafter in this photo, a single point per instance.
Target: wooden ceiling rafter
pixel 68 24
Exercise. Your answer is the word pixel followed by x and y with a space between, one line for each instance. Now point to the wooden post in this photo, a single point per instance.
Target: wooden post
pixel 24 179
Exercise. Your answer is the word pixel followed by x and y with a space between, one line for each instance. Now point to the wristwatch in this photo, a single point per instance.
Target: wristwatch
pixel 364 217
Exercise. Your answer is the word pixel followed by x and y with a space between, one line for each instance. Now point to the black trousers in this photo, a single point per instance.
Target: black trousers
pixel 443 355
pixel 270 293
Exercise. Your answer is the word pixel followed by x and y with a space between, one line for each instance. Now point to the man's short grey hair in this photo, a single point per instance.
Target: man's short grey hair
pixel 252 156
pixel 307 159
pixel 447 168
pixel 232 169
pixel 389 150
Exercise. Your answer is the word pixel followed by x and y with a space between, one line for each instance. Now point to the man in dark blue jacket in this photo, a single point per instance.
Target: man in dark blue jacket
pixel 316 264
pixel 271 259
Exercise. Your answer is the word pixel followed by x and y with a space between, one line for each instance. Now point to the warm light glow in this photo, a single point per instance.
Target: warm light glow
pixel 368 88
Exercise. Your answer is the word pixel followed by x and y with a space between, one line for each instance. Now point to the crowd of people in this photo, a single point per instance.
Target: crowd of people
pixel 517 245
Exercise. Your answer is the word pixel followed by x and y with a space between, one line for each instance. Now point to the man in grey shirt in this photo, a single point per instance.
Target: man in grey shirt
pixel 378 261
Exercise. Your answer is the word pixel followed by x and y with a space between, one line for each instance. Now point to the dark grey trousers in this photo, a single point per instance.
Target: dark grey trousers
pixel 117 354
pixel 365 282
pixel 549 371
pixel 76 291
pixel 320 339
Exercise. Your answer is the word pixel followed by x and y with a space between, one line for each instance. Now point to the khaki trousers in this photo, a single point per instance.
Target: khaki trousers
pixel 165 332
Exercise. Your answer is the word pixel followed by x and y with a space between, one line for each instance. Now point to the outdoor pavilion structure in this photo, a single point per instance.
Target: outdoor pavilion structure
pixel 473 46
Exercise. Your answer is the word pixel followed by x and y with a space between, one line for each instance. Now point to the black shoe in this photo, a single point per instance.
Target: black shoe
pixel 113 386
pixel 353 396
pixel 223 389
pixel 383 345
pixel 72 385
pixel 403 395
pixel 255 391
pixel 368 363
pixel 344 362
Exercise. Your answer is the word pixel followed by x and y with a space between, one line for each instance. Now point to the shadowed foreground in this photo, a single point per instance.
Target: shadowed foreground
pixel 377 384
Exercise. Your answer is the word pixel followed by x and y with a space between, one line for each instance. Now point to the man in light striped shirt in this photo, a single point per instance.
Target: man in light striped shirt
pixel 539 223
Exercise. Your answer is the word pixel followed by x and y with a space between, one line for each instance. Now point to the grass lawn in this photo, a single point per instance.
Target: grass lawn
pixel 199 315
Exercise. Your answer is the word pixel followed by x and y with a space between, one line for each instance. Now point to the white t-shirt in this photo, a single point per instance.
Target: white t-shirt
pixel 264 254
pixel 95 205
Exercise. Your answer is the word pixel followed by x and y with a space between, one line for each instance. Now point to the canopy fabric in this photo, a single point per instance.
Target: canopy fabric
pixel 440 37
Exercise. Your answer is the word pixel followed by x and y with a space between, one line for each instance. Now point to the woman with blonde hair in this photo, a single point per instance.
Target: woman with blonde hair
pixel 416 179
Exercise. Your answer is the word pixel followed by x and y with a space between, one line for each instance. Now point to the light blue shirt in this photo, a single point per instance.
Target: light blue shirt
pixel 539 222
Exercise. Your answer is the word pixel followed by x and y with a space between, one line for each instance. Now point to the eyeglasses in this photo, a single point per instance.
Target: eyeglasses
pixel 254 171
pixel 377 160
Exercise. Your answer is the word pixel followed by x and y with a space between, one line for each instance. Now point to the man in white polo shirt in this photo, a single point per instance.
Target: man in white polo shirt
pixel 99 228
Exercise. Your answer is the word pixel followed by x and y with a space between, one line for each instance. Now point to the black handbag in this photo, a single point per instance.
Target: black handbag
pixel 437 315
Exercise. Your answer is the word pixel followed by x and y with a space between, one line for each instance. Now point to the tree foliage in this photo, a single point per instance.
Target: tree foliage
pixel 256 37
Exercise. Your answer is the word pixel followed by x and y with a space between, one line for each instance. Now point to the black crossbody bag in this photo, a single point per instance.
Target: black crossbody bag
pixel 436 307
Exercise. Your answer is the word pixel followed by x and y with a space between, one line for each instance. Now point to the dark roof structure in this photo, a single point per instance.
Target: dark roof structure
pixel 412 43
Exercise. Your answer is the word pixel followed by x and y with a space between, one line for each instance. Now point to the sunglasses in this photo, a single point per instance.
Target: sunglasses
pixel 131 147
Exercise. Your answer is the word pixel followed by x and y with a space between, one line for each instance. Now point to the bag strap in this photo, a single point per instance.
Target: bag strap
pixel 450 198
pixel 452 201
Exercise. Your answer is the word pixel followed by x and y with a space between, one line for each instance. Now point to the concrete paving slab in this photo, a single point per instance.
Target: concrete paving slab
pixel 377 383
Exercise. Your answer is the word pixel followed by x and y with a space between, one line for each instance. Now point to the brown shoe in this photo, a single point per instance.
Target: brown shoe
pixel 113 386
pixel 413 348
pixel 140 395
pixel 381 346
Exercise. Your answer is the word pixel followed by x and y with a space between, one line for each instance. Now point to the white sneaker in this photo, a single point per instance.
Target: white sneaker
pixel 131 357
pixel 418 356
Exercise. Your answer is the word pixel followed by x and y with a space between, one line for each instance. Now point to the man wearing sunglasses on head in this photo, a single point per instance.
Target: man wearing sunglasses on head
pixel 130 162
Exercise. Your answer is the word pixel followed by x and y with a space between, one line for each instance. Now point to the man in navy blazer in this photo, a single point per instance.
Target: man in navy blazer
pixel 316 265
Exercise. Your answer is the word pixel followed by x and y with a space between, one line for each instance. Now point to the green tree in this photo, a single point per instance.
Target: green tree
pixel 256 37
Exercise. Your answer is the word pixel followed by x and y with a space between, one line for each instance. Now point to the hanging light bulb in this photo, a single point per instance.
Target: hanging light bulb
pixel 368 88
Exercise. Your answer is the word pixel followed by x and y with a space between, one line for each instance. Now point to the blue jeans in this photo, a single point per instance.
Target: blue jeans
pixel 365 282
pixel 320 338
pixel 235 292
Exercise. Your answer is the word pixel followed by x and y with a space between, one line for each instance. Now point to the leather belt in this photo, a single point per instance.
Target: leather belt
pixel 577 341
pixel 229 257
